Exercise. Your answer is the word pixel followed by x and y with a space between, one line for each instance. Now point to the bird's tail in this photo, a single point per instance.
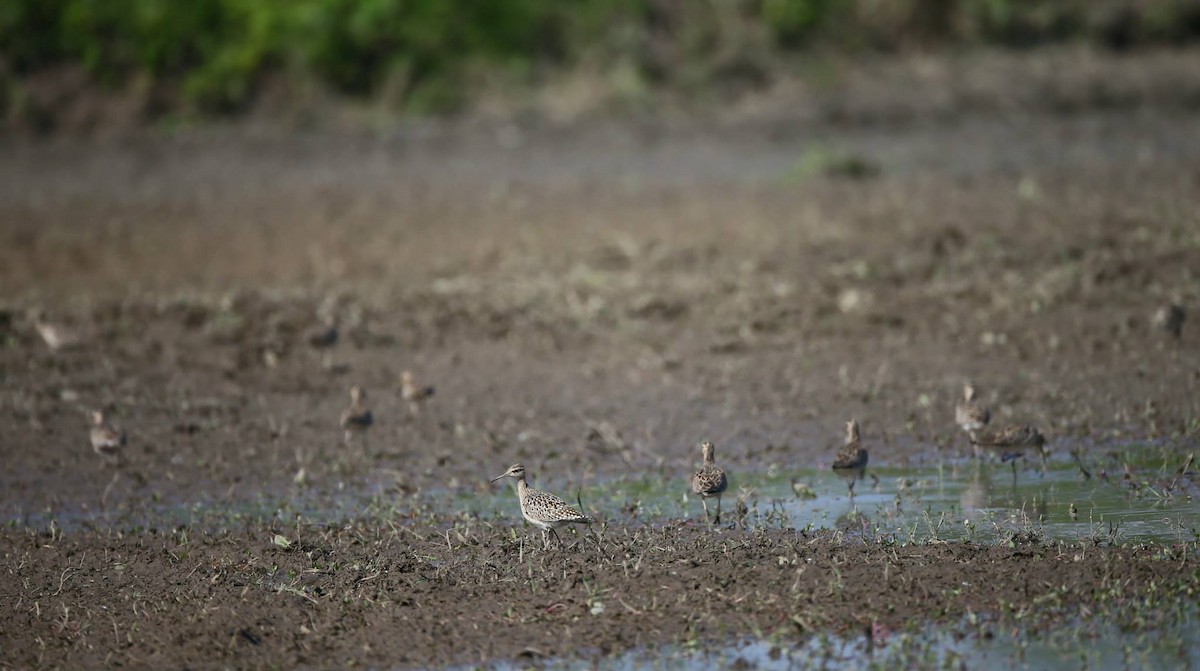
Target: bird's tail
pixel 586 519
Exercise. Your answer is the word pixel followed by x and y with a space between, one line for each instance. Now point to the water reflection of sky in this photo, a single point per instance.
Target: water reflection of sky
pixel 966 500
pixel 1082 644
pixel 951 501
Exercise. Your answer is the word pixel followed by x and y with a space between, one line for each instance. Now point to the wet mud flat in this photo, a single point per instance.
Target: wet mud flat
pixel 382 595
pixel 592 346
pixel 592 307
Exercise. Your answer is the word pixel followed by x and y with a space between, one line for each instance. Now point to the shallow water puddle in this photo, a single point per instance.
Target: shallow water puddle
pixel 1084 644
pixel 974 502
pixel 1129 497
pixel 964 500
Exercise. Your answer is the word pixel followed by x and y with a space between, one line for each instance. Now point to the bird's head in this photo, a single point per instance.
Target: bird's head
pixel 516 471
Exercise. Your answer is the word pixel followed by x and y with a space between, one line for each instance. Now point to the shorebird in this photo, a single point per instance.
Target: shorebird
pixel 710 480
pixel 322 338
pixel 107 441
pixel 542 509
pixel 851 460
pixel 413 393
pixel 357 418
pixel 1170 319
pixel 1012 443
pixel 970 415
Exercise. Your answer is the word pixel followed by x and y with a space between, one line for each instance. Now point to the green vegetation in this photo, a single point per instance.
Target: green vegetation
pixel 215 51
pixel 213 55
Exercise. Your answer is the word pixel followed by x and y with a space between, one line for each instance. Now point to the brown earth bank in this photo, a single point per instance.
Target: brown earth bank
pixel 391 596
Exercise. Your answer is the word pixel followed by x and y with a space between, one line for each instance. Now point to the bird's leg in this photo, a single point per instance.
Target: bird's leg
pixel 718 520
pixel 852 481
pixel 545 540
pixel 557 538
pixel 1014 470
pixel 704 502
pixel 347 438
pixel 104 497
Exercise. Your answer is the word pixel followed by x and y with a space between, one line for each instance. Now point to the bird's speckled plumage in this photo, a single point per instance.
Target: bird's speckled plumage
pixel 107 441
pixel 1012 443
pixel 542 509
pixel 969 414
pixel 357 418
pixel 414 393
pixel 851 459
pixel 710 480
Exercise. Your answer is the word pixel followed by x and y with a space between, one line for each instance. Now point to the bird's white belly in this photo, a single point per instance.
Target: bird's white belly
pixel 541 524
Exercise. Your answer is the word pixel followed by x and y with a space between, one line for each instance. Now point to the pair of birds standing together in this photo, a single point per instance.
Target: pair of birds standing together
pixel 850 463
pixel 549 512
pixel 1009 443
pixel 357 418
pixel 711 482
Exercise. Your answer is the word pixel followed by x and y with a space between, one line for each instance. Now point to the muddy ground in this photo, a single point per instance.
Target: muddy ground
pixel 402 597
pixel 589 299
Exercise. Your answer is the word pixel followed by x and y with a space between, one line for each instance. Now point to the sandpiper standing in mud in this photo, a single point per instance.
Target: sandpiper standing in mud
pixel 1012 443
pixel 414 393
pixel 1170 318
pixel 709 481
pixel 357 418
pixel 107 440
pixel 542 509
pixel 851 460
pixel 971 415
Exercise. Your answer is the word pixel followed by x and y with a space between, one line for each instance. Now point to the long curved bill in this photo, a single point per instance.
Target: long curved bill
pixel 499 476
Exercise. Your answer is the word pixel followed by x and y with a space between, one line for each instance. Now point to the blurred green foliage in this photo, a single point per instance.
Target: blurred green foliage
pixel 793 22
pixel 213 53
pixel 216 49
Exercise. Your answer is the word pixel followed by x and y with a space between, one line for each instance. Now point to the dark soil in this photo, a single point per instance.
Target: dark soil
pixel 402 597
pixel 589 300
